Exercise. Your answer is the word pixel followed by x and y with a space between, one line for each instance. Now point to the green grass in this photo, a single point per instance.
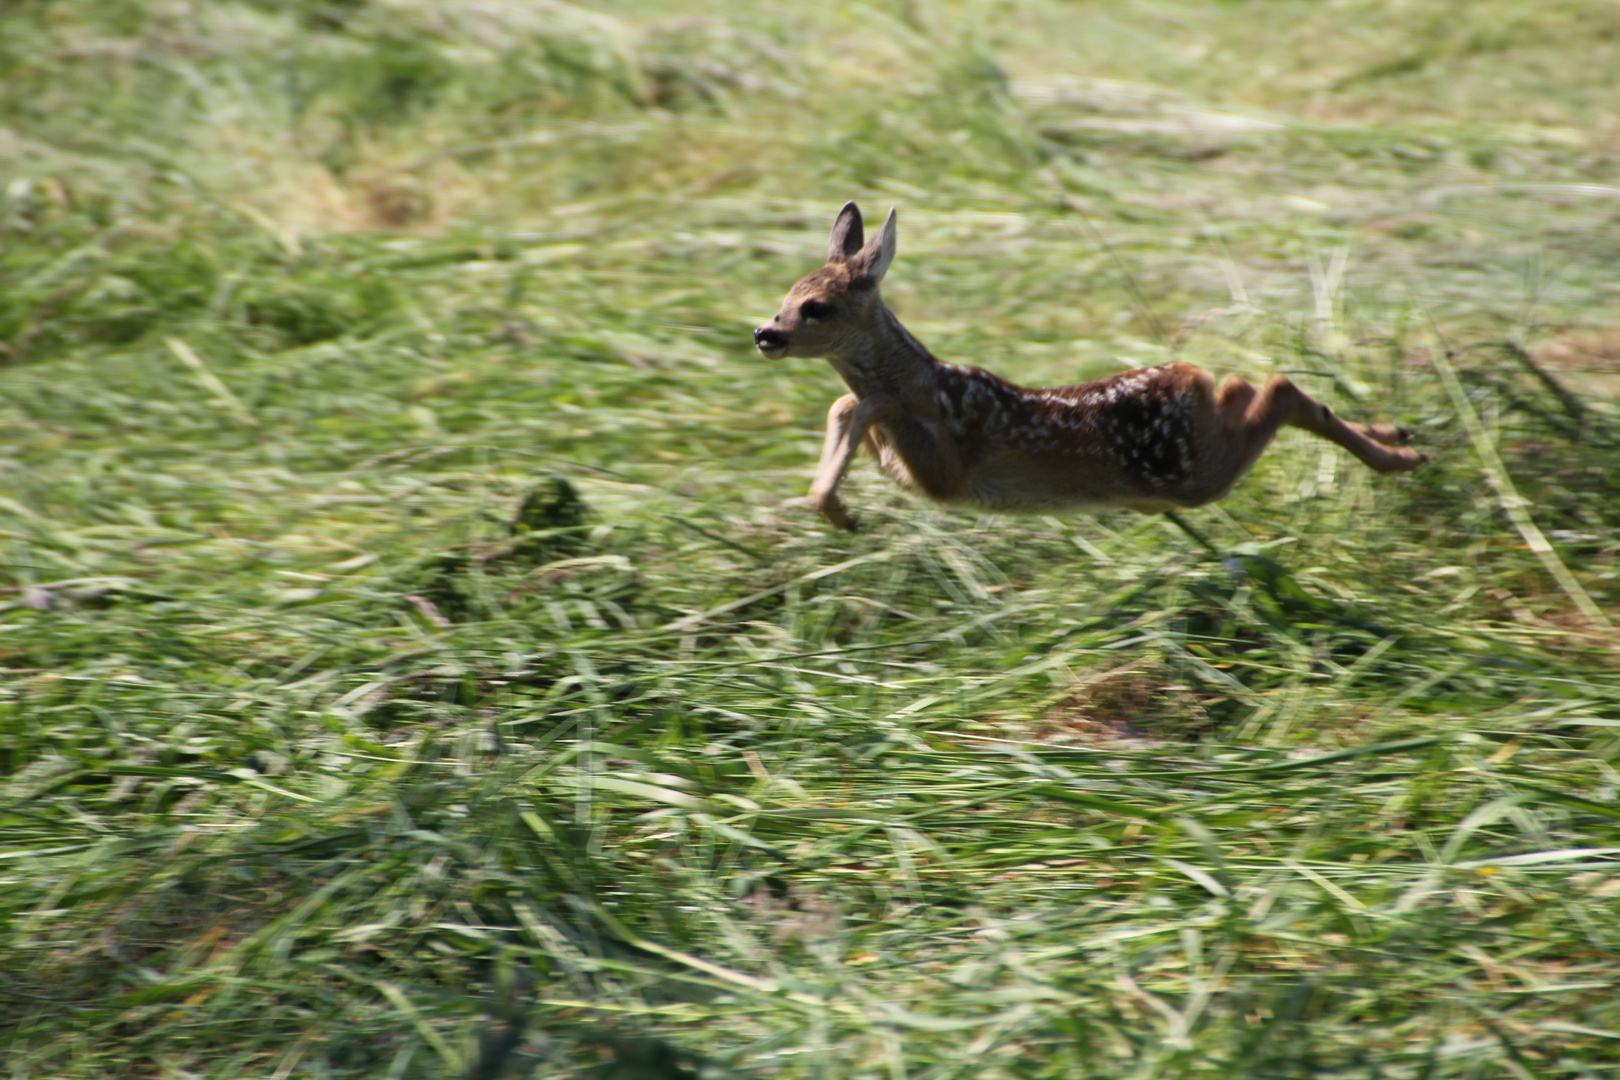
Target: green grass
pixel 414 665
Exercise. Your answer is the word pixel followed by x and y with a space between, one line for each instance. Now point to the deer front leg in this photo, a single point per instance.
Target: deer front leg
pixel 837 451
pixel 915 452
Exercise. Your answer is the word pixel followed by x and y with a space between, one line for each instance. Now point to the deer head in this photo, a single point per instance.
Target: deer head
pixel 831 309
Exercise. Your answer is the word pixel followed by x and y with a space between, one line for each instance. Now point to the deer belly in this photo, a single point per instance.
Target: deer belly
pixel 1017 488
pixel 1079 483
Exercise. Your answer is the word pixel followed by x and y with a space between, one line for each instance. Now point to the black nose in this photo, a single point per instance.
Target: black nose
pixel 766 336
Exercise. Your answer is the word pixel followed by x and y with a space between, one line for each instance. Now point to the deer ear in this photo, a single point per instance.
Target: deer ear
pixel 846 236
pixel 879 253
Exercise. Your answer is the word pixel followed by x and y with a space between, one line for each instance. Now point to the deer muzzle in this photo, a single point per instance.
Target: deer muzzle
pixel 773 343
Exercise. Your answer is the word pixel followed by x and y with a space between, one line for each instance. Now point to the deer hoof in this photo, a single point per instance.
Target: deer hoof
pixel 1406 460
pixel 1387 434
pixel 841 518
pixel 832 508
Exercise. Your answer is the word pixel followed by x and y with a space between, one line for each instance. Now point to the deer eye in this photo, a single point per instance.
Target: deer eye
pixel 815 309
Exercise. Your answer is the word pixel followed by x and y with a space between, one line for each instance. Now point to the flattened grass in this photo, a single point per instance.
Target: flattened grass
pixel 413 668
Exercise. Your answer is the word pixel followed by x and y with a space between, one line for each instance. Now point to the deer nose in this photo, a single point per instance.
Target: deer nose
pixel 765 337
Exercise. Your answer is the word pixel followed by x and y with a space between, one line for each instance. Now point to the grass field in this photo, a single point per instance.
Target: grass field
pixel 414 663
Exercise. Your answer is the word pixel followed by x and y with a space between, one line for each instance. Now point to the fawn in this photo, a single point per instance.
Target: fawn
pixel 1151 439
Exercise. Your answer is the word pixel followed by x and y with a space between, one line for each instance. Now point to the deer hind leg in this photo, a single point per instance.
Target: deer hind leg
pixel 1255 415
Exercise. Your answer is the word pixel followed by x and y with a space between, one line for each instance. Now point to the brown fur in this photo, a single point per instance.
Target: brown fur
pixel 1151 439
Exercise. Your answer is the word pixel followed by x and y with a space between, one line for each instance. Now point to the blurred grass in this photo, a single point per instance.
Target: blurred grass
pixel 411 670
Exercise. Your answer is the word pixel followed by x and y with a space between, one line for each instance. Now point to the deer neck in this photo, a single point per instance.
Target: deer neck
pixel 883 358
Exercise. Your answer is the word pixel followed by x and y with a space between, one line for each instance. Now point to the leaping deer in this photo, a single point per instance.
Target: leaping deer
pixel 1151 440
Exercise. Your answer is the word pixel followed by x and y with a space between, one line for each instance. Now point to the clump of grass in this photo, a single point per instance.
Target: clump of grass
pixel 413 668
